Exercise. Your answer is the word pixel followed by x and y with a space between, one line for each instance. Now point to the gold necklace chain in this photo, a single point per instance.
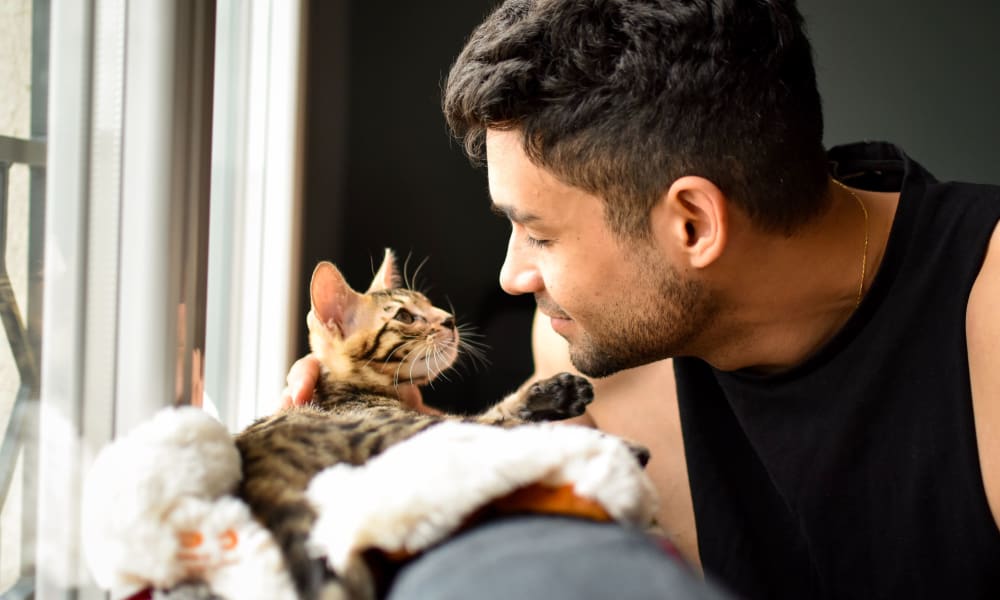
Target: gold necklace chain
pixel 864 256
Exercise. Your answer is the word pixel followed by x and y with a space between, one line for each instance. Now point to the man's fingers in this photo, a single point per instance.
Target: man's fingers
pixel 304 374
pixel 302 378
pixel 286 399
pixel 410 396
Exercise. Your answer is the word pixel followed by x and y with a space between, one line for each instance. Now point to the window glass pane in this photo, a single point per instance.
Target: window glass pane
pixel 17 461
pixel 15 68
pixel 10 382
pixel 11 530
pixel 17 233
pixel 15 200
pixel 15 256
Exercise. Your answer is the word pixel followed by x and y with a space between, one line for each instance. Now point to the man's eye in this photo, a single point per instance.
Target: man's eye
pixel 404 316
pixel 537 243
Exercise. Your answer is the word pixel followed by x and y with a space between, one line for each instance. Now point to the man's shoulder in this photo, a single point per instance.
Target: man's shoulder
pixel 983 345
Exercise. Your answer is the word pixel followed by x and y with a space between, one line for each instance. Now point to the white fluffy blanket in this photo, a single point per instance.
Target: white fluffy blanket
pixel 158 511
pixel 422 490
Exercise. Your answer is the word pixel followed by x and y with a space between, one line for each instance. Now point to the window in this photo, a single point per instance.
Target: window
pixel 24 40
pixel 117 121
pixel 255 207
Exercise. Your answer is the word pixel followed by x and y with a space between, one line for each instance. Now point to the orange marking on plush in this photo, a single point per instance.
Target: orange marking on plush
pixel 190 539
pixel 190 556
pixel 228 539
pixel 554 500
pixel 537 498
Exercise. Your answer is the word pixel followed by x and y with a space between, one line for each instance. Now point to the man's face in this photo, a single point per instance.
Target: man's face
pixel 619 303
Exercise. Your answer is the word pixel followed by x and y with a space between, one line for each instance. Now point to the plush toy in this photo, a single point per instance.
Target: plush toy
pixel 159 512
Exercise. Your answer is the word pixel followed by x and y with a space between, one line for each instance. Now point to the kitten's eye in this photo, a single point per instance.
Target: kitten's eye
pixel 404 316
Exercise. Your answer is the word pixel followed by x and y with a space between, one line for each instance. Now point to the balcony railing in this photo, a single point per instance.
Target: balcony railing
pixel 19 444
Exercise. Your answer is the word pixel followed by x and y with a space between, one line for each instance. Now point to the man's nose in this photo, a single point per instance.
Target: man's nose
pixel 519 275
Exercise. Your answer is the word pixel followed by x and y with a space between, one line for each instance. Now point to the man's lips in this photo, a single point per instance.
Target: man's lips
pixel 560 316
pixel 550 310
pixel 560 325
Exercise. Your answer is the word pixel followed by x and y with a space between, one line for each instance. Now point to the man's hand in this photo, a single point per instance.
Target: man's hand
pixel 410 396
pixel 301 383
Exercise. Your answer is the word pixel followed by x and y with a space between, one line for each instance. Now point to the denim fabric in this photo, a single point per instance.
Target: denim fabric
pixel 550 558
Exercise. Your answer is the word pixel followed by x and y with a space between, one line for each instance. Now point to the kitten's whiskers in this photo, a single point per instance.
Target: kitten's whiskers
pixel 417 272
pixel 471 351
pixel 406 264
pixel 428 355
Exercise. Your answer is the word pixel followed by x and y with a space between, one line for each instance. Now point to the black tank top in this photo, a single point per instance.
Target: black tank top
pixel 856 474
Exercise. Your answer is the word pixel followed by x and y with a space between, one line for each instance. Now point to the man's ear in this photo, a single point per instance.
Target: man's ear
pixel 692 218
pixel 386 278
pixel 333 300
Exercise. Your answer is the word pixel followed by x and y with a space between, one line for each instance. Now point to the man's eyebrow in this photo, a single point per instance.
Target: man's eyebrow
pixel 511 213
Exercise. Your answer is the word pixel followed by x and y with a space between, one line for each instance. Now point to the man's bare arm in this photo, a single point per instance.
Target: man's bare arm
pixel 983 335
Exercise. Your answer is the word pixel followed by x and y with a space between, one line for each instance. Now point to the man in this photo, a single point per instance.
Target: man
pixel 832 317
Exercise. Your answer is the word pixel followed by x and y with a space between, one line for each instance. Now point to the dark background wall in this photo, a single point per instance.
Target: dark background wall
pixel 925 75
pixel 381 170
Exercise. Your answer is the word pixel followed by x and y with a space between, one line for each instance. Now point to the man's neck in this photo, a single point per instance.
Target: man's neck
pixel 790 295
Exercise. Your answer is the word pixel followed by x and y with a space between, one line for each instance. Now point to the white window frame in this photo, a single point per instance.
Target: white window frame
pixel 127 239
pixel 256 207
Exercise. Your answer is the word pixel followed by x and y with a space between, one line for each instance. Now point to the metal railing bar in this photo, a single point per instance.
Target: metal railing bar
pixel 27 152
pixel 23 589
pixel 13 439
pixel 4 185
pixel 10 313
pixel 17 336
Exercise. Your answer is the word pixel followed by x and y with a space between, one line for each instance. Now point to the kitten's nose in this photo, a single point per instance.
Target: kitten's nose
pixel 448 323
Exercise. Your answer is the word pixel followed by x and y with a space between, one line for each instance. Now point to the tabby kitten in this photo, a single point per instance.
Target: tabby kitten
pixel 367 344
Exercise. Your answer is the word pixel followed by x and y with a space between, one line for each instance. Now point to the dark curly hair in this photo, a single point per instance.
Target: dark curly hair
pixel 622 97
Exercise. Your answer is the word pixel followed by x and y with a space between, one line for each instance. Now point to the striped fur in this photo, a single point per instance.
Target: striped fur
pixel 367 344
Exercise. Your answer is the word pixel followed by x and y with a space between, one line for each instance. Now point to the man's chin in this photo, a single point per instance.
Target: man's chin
pixel 596 365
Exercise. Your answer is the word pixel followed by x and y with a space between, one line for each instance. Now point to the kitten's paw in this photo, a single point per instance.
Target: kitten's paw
pixel 559 397
pixel 640 452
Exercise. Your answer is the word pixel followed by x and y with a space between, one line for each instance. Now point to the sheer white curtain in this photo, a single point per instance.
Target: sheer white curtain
pixel 255 206
pixel 138 91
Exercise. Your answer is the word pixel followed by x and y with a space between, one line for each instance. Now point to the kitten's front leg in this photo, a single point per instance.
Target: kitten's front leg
pixel 559 397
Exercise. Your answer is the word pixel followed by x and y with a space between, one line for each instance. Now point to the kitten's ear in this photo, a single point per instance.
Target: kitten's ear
pixel 333 300
pixel 386 278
